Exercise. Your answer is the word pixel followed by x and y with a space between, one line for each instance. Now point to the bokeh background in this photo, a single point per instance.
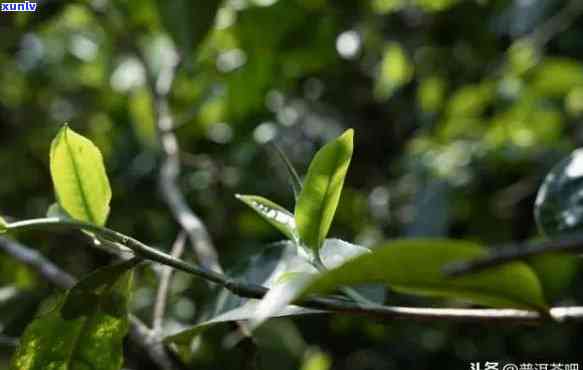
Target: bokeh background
pixel 460 109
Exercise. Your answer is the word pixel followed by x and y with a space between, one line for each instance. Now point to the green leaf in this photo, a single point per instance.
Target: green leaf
pixel 82 328
pixel 395 70
pixel 92 288
pixel 79 177
pixel 287 288
pixel 274 265
pixel 556 272
pixel 3 225
pixel 188 22
pixel 242 313
pixel 415 266
pixel 319 198
pixel 273 213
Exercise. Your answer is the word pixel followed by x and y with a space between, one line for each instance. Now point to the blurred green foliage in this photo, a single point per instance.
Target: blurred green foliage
pixel 460 108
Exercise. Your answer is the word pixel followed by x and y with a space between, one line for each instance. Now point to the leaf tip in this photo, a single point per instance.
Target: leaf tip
pixel 348 135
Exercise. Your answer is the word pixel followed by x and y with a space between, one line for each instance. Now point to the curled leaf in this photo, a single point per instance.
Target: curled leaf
pixel 273 213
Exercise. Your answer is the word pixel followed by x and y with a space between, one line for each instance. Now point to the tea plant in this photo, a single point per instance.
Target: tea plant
pixel 84 326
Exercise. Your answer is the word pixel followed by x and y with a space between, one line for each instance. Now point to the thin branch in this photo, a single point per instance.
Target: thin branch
pixel 8 341
pixel 515 252
pixel 140 334
pixel 37 262
pixel 556 24
pixel 163 287
pixel 170 169
pixel 169 174
pixel 559 314
pixel 152 345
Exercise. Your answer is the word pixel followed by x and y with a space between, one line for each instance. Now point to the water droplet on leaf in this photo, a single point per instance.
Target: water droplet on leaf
pixel 559 202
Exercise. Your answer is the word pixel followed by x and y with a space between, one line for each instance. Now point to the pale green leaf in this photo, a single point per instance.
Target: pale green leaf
pixel 82 328
pixel 273 213
pixel 320 195
pixel 275 265
pixel 79 177
pixel 287 288
pixel 290 282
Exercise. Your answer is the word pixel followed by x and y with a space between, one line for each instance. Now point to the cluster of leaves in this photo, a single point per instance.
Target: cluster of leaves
pixel 497 114
pixel 92 317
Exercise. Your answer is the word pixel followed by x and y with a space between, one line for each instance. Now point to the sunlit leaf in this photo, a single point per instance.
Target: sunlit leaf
pixel 522 55
pixel 557 76
pixel 291 283
pixel 395 70
pixel 284 291
pixel 415 266
pixel 82 328
pixel 275 265
pixel 559 202
pixel 79 177
pixel 317 360
pixel 319 198
pixel 431 94
pixel 3 225
pixel 273 213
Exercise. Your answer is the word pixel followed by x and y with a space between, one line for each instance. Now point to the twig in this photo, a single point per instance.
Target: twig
pixel 170 169
pixel 163 287
pixel 140 334
pixel 37 262
pixel 330 304
pixel 152 344
pixel 557 23
pixel 8 341
pixel 516 252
